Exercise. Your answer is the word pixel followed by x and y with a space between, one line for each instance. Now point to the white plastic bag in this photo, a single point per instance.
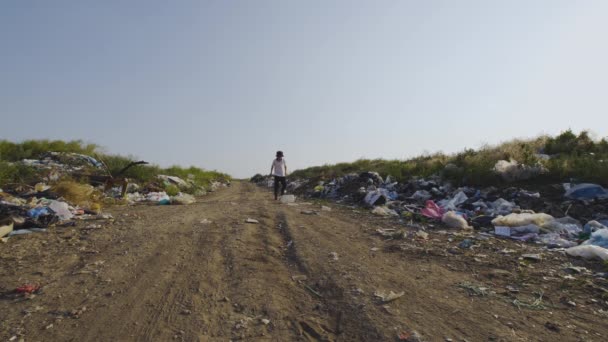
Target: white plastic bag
pixel 517 220
pixel 588 252
pixel 453 220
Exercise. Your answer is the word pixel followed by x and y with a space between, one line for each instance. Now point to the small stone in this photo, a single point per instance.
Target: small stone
pixel 265 321
pixel 50 326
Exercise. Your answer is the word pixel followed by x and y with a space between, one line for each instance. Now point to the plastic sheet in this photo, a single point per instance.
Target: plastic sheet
pixel 588 252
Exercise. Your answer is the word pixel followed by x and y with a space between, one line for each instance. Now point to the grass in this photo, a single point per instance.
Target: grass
pixel 11 171
pixel 576 157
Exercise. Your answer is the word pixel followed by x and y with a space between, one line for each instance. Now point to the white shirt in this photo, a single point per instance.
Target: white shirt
pixel 278 167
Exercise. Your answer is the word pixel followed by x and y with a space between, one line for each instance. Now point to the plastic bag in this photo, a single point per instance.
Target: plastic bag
pixel 376 197
pixel 586 191
pixel 453 220
pixel 287 199
pixel 588 252
pixel 432 210
pixel 598 238
pixel 61 209
pixel 554 240
pixel 592 226
pixel 384 211
pixel 516 220
pixel 454 202
pixel 421 195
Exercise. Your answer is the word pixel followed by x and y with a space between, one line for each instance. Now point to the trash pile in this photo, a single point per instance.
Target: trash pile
pixel 573 217
pixel 33 211
pixel 74 186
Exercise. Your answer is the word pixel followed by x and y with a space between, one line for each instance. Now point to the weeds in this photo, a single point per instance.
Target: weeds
pixel 572 157
pixel 11 171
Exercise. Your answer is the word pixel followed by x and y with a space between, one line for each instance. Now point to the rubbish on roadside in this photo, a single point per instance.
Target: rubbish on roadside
pixel 26 231
pixel 28 288
pixel 287 199
pixel 183 198
pixel 61 209
pixel 474 289
pixel 180 183
pixel 593 226
pixel 502 231
pixel 598 238
pixel 325 208
pixel 466 243
pixel 38 211
pixel 453 220
pixel 554 240
pixel 6 226
pixel 265 321
pixel 299 277
pixel 453 203
pixel 432 210
pixel 585 191
pixel 388 296
pixel 421 195
pixel 376 197
pixel 250 220
pixel 384 211
pixel 333 256
pixel 309 212
pixel 409 336
pixel 206 221
pixel 518 220
pixel 588 252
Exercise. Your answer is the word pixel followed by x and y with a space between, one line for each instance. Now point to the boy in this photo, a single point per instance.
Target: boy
pixel 279 171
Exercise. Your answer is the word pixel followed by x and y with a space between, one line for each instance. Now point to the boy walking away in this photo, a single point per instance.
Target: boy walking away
pixel 279 171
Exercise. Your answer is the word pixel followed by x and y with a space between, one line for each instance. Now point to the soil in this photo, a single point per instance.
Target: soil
pixel 201 273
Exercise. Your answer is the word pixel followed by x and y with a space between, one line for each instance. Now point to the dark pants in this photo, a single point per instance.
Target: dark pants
pixel 279 180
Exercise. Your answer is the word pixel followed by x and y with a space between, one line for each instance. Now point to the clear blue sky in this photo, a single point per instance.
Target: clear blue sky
pixel 224 84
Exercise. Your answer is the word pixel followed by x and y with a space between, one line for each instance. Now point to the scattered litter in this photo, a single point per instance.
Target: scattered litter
pixel 474 289
pixel 325 208
pixel 287 199
pixel 534 257
pixel 250 220
pixel 28 288
pixel 384 211
pixel 388 297
pixel 333 256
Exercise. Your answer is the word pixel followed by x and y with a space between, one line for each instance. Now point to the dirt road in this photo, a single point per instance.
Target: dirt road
pixel 163 273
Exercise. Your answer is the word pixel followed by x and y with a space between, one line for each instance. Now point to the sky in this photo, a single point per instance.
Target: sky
pixel 225 84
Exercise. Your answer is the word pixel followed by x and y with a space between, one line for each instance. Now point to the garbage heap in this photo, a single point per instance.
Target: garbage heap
pixel 73 187
pixel 569 216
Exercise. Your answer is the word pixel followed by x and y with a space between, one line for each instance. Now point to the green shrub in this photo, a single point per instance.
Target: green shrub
pixel 573 157
pixel 32 149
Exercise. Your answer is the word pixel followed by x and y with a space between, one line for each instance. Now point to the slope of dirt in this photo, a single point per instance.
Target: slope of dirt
pixel 201 273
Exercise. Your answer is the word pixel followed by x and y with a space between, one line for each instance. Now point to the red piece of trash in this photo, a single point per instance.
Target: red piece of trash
pixel 432 210
pixel 27 288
